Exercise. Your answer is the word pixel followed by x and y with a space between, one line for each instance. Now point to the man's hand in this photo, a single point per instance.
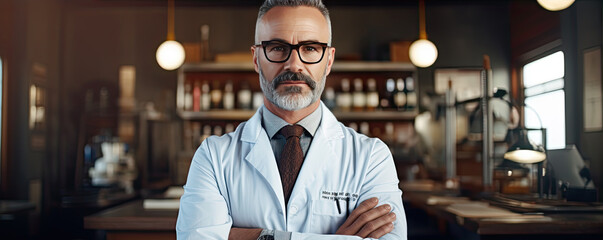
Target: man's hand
pixel 244 233
pixel 367 220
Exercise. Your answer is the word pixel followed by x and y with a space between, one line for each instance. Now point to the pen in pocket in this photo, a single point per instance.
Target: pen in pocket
pixel 347 207
pixel 338 206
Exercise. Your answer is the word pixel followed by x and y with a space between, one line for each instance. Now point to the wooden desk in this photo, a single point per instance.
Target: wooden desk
pixel 555 226
pixel 132 221
pixel 15 218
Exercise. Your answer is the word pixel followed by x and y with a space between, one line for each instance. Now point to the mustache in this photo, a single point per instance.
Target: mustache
pixel 292 76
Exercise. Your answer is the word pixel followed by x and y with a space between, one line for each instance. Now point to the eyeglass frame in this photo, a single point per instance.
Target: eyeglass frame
pixel 293 47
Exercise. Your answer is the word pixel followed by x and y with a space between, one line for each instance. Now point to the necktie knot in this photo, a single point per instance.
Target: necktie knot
pixel 292 131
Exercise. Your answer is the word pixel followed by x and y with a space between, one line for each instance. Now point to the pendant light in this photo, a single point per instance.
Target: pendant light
pixel 422 52
pixel 170 54
pixel 555 5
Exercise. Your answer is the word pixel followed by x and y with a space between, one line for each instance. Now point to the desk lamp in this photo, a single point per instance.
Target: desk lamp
pixel 524 150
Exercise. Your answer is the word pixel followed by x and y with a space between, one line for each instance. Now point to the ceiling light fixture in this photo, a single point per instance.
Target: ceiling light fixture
pixel 555 5
pixel 422 52
pixel 170 54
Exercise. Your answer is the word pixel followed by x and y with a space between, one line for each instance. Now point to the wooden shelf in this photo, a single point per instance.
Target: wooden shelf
pixel 376 116
pixel 228 115
pixel 374 66
pixel 244 115
pixel 338 66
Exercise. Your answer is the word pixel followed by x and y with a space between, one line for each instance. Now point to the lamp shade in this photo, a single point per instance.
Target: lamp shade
pixel 555 5
pixel 423 53
pixel 524 151
pixel 170 55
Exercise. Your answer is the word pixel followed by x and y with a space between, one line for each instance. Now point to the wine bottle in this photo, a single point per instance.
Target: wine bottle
pixel 400 95
pixel 344 98
pixel 205 53
pixel 205 97
pixel 411 94
pixel 257 100
pixel 196 97
pixel 329 98
pixel 228 100
pixel 387 102
pixel 244 96
pixel 216 96
pixel 359 97
pixel 372 96
pixel 188 97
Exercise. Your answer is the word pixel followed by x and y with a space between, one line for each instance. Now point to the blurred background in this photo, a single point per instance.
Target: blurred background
pixel 91 121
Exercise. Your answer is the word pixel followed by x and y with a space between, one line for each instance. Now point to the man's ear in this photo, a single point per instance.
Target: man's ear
pixel 331 59
pixel 254 53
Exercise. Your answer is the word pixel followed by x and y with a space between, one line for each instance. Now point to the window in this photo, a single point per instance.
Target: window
pixel 1 91
pixel 545 99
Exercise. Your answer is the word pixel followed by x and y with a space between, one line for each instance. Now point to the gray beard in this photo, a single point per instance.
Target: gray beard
pixel 293 98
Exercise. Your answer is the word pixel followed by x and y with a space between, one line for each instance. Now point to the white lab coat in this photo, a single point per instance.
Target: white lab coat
pixel 234 181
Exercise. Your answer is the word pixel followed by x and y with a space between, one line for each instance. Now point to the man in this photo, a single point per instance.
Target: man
pixel 248 184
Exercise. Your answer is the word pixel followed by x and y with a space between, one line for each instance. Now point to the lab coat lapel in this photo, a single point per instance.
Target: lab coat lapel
pixel 261 156
pixel 321 151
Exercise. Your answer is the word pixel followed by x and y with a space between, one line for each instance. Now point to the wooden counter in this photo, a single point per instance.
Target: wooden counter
pixel 562 225
pixel 132 221
pixel 15 218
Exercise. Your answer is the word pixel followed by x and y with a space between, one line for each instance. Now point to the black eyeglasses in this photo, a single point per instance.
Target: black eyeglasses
pixel 278 51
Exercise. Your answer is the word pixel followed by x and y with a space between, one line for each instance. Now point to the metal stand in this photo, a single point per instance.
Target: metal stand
pixel 487 141
pixel 450 135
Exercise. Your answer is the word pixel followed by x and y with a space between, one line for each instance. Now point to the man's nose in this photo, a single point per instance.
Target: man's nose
pixel 294 64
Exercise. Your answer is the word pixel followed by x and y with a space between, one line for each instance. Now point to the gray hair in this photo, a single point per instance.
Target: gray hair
pixel 269 4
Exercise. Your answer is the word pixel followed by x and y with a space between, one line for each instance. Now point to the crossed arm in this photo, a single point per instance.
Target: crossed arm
pixel 202 198
pixel 366 221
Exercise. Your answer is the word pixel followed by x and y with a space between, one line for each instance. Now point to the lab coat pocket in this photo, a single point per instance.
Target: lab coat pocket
pixel 328 215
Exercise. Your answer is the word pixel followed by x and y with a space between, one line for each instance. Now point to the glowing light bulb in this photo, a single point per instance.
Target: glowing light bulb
pixel 423 53
pixel 555 5
pixel 170 55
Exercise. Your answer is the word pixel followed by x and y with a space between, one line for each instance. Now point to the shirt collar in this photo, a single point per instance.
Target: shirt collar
pixel 273 123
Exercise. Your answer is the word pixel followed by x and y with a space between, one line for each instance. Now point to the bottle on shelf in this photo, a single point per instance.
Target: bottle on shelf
pixel 400 95
pixel 329 98
pixel 229 128
pixel 196 134
pixel 359 97
pixel 206 133
pixel 372 96
pixel 387 102
pixel 365 128
pixel 189 142
pixel 218 130
pixel 389 135
pixel 244 96
pixel 411 94
pixel 205 97
pixel 258 99
pixel 216 95
pixel 196 96
pixel 188 97
pixel 103 100
pixel 205 53
pixel 228 98
pixel 344 99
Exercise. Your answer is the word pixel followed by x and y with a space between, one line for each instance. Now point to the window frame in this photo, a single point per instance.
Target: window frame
pixel 3 126
pixel 530 56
